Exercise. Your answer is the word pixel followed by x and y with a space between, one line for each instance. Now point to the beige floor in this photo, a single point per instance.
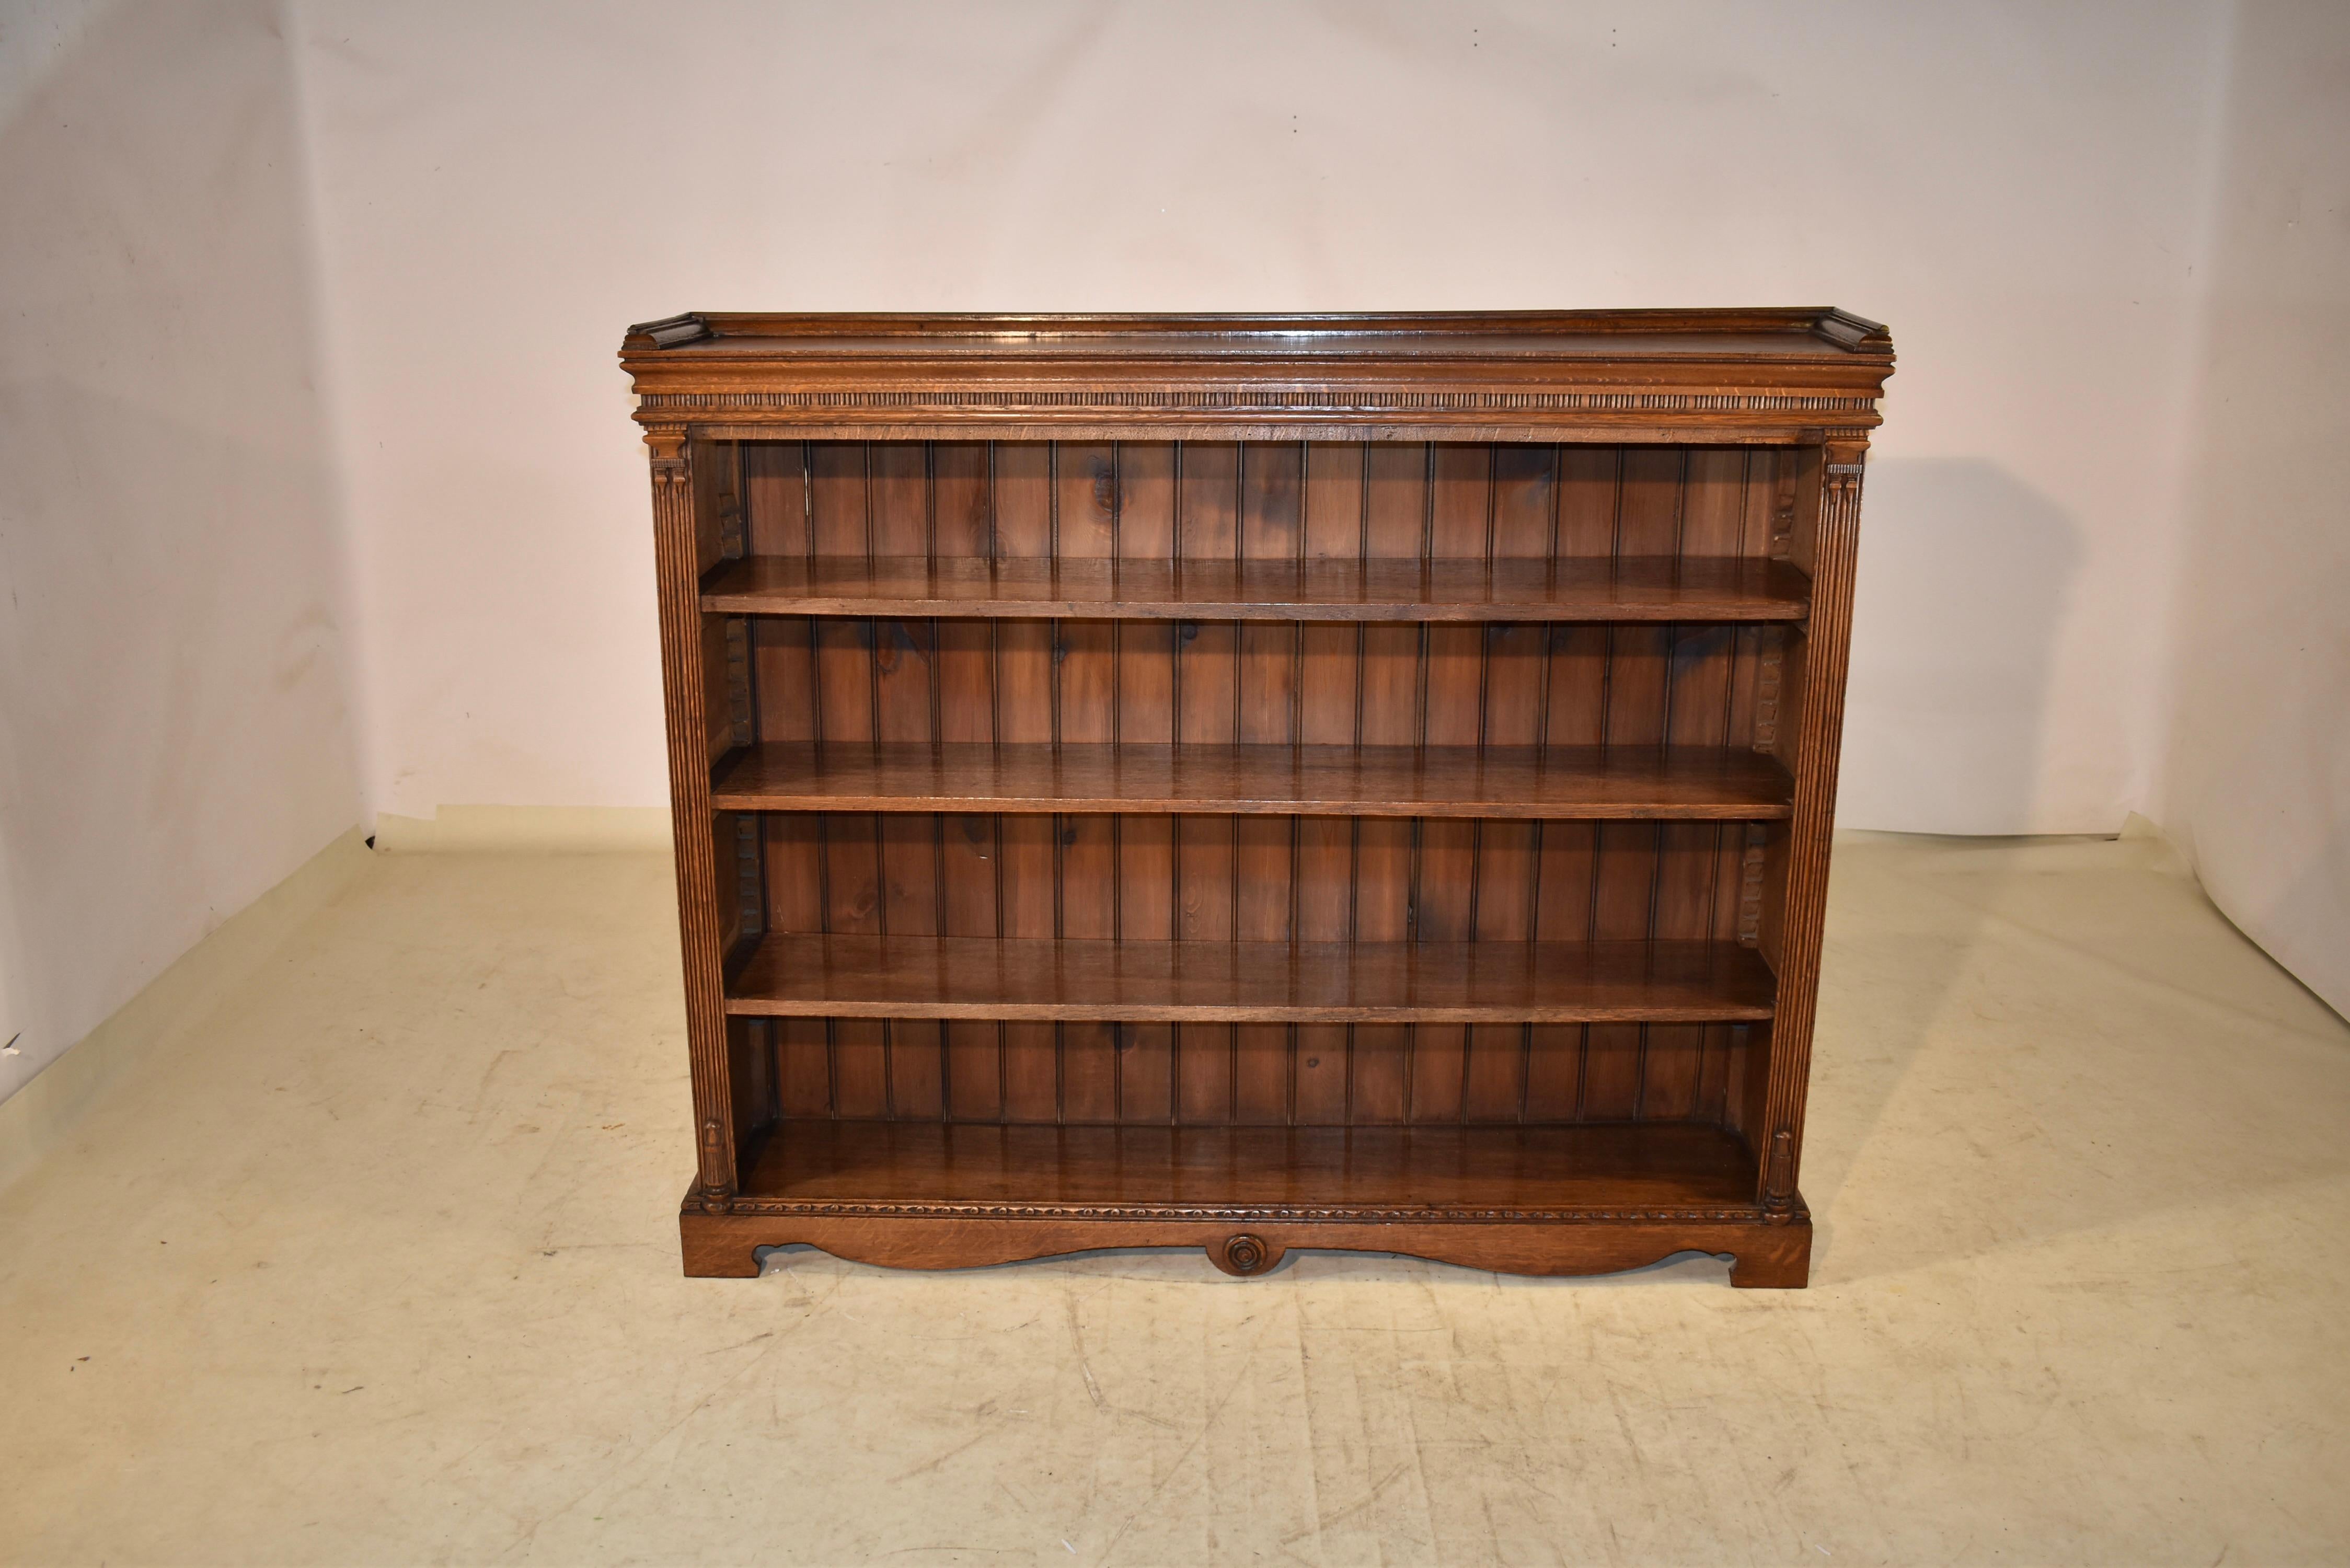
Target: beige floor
pixel 381 1268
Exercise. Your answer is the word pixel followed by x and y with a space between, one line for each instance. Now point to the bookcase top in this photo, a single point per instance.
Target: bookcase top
pixel 1715 374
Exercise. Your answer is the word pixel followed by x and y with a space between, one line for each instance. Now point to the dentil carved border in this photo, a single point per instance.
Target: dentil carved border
pixel 1244 400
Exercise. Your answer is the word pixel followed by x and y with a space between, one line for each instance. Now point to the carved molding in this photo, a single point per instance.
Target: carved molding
pixel 1244 399
pixel 1767 671
pixel 750 874
pixel 1245 1255
pixel 1783 514
pixel 1779 1178
pixel 717 1181
pixel 783 1208
pixel 667 446
pixel 1841 479
pixel 1750 886
pixel 741 698
pixel 733 539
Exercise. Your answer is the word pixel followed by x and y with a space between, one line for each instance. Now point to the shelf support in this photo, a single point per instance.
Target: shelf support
pixel 677 551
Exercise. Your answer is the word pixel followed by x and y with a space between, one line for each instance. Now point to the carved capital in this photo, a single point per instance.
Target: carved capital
pixel 667 445
pixel 1841 473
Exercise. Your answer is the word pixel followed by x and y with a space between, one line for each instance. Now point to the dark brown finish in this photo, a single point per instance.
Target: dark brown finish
pixel 1679 376
pixel 906 1192
pixel 1251 982
pixel 1152 780
pixel 1585 783
pixel 1628 589
pixel 914 1170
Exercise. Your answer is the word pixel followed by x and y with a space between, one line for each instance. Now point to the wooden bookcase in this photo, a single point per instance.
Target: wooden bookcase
pixel 1253 783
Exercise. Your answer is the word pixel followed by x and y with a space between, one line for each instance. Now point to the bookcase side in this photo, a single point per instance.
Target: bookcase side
pixel 1824 543
pixel 680 537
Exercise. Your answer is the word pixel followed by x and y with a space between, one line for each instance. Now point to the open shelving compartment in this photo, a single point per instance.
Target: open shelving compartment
pixel 1259 828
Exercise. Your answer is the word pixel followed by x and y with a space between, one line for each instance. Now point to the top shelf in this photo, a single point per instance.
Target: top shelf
pixel 1626 588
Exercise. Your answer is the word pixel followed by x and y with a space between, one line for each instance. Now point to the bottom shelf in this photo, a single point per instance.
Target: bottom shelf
pixel 1433 1171
pixel 1583 1200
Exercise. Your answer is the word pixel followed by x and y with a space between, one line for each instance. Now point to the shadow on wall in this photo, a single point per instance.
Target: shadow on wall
pixel 1964 571
pixel 1963 576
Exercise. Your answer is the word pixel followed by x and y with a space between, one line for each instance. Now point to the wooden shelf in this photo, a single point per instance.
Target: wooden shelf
pixel 1432 1168
pixel 1628 588
pixel 1583 783
pixel 1252 983
pixel 1473 534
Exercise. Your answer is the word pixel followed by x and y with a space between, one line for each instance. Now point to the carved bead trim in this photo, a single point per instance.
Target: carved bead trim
pixel 786 1208
pixel 740 702
pixel 731 542
pixel 1750 887
pixel 1766 695
pixel 1783 514
pixel 750 873
pixel 1248 399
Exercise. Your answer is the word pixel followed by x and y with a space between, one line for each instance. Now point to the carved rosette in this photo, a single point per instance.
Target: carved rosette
pixel 1245 1255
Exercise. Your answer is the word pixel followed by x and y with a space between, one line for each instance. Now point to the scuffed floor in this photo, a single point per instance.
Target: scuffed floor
pixel 381 1268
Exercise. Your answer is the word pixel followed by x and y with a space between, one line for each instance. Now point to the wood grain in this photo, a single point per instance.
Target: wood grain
pixel 687 482
pixel 1693 783
pixel 876 976
pixel 1194 589
pixel 1588 1241
pixel 1255 783
pixel 1534 376
pixel 1431 1169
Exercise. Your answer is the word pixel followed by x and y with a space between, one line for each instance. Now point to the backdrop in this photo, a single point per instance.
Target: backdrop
pixel 319 498
pixel 501 188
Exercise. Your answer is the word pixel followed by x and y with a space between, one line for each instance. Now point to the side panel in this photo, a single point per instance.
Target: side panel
pixel 686 483
pixel 1824 541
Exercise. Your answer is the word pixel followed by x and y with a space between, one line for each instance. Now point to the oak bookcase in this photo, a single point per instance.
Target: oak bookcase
pixel 1254 782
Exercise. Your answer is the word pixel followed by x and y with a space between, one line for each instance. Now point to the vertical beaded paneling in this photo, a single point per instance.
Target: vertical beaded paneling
pixel 1218 878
